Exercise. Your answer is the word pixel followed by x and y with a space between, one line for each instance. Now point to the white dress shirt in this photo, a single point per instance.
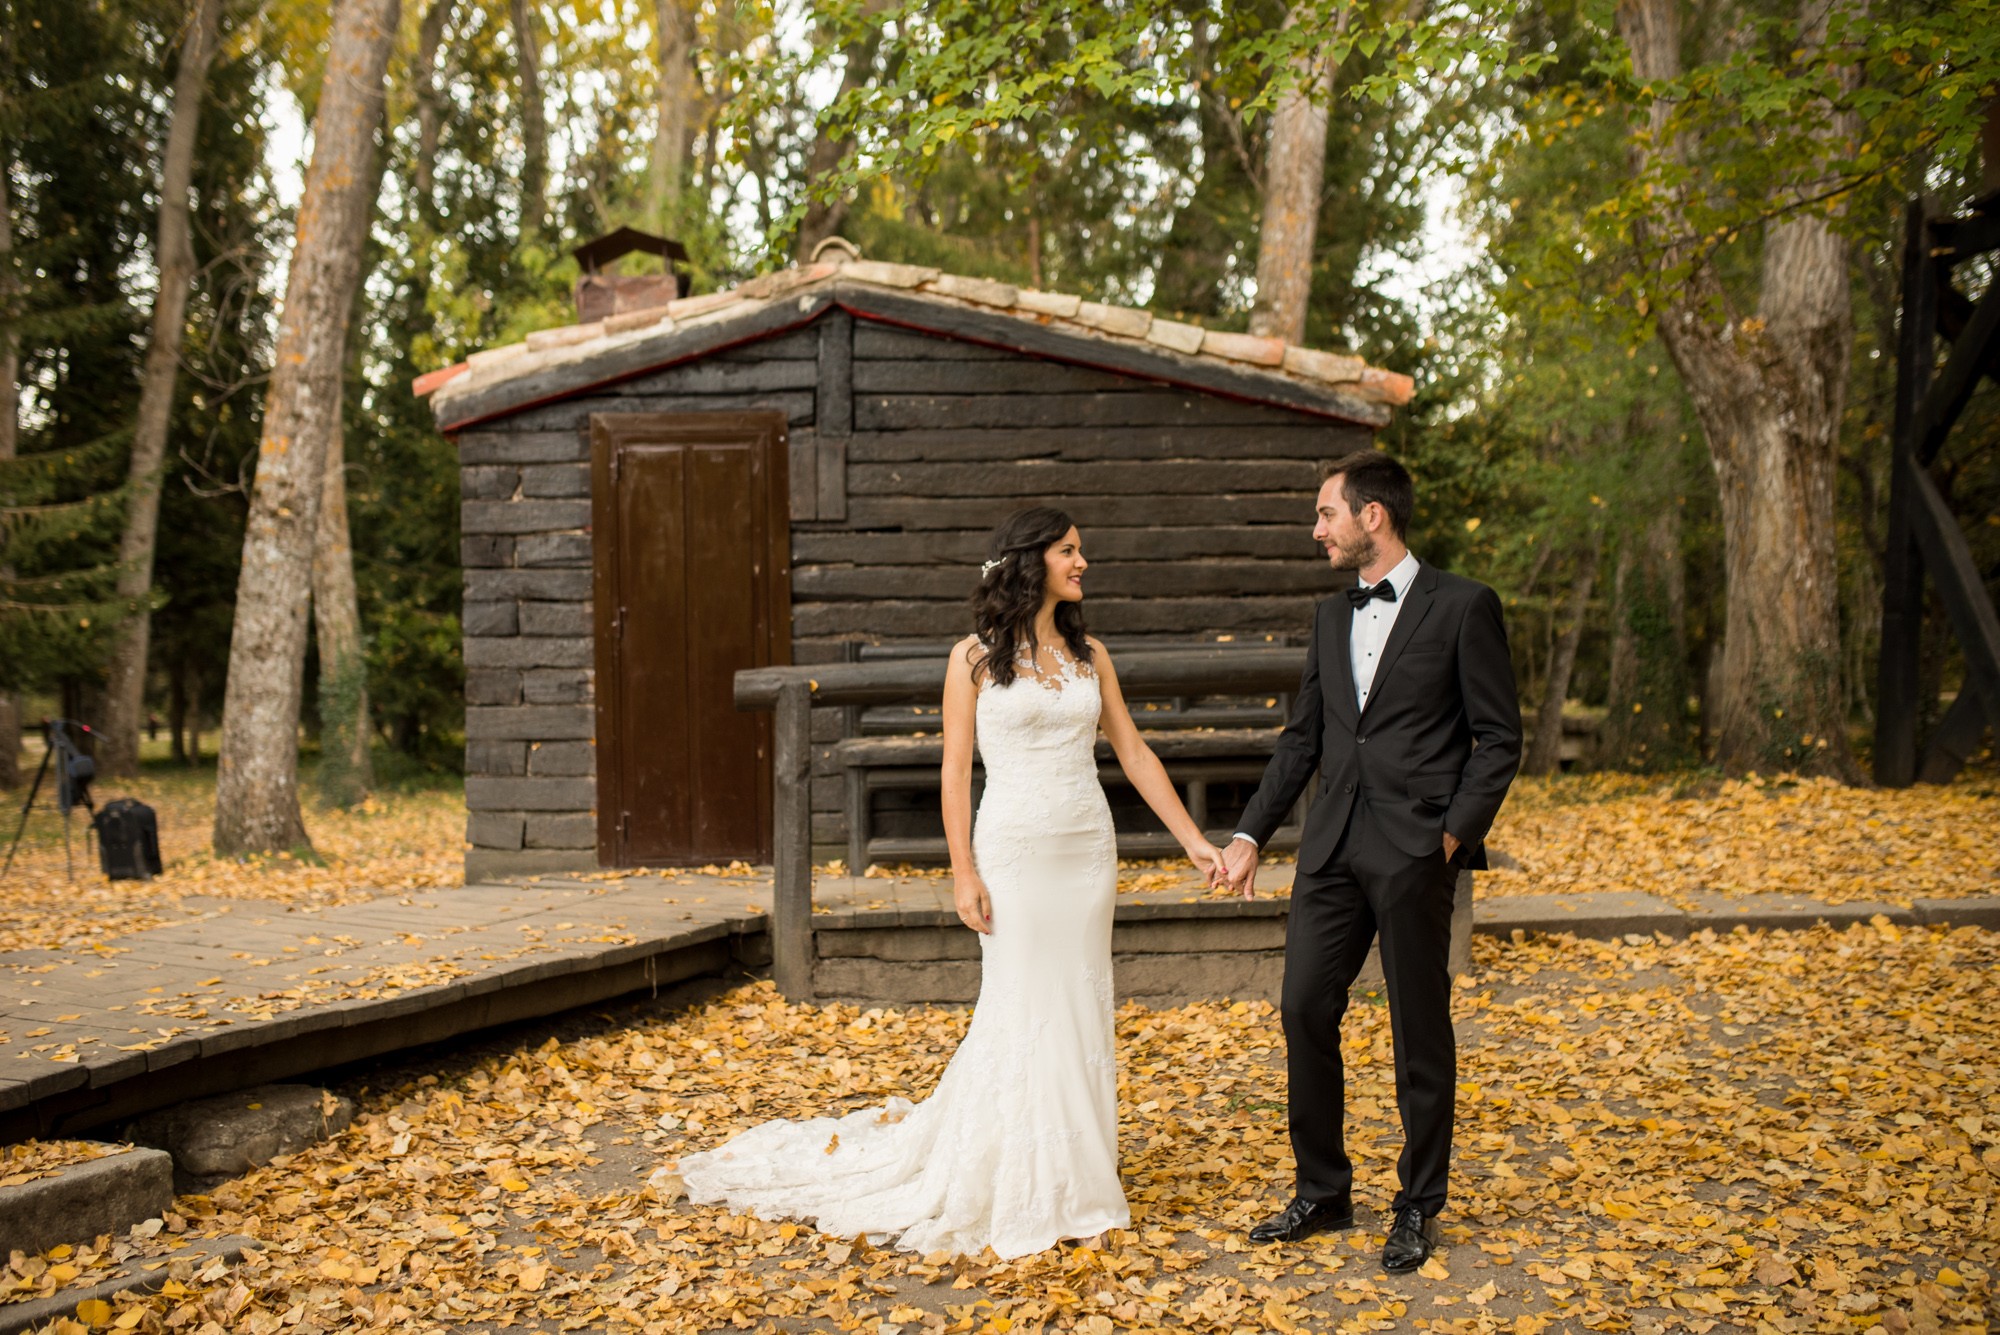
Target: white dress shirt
pixel 1368 636
pixel 1373 621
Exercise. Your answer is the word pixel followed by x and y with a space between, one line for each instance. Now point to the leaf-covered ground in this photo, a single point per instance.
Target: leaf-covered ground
pixel 1779 1131
pixel 390 844
pixel 1736 837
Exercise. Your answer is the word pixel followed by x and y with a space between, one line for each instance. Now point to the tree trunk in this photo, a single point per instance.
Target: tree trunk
pixel 10 412
pixel 1769 393
pixel 678 100
pixel 1645 723
pixel 1545 755
pixel 125 689
pixel 345 772
pixel 430 105
pixel 194 717
pixel 824 217
pixel 534 129
pixel 1294 170
pixel 257 799
pixel 1622 669
pixel 177 713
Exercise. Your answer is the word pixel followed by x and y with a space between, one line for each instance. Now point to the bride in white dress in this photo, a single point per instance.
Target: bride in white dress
pixel 1017 1147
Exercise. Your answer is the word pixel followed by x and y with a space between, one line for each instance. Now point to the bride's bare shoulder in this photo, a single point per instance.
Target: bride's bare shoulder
pixel 966 653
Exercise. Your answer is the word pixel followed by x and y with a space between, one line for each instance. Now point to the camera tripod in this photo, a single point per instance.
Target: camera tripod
pixel 74 771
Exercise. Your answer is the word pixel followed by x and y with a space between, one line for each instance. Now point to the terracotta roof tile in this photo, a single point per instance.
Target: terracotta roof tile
pixel 1334 368
pixel 544 339
pixel 488 357
pixel 888 275
pixel 431 380
pixel 1125 320
pixel 1252 348
pixel 1182 338
pixel 687 308
pixel 984 291
pixel 1048 303
pixel 1387 386
pixel 807 284
pixel 652 315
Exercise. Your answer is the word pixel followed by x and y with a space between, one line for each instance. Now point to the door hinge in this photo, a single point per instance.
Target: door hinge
pixel 615 457
pixel 624 826
pixel 617 623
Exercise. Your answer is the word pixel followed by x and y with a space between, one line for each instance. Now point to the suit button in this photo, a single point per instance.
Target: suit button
pixel 1348 788
pixel 1362 740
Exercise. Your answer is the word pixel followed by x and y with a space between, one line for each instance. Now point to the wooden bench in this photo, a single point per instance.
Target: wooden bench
pixel 1194 759
pixel 1167 712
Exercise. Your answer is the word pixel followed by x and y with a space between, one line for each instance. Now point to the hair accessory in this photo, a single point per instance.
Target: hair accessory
pixel 987 568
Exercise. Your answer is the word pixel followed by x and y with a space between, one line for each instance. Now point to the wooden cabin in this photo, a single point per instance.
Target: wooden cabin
pixel 805 469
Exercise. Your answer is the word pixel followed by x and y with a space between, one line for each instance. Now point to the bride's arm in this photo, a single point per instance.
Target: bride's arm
pixel 1143 768
pixel 975 910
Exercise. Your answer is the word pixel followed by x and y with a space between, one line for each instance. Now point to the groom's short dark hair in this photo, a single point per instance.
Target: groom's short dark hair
pixel 1370 475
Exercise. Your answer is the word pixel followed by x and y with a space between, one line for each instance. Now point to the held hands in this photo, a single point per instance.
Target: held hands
pixel 975 907
pixel 1207 860
pixel 1238 869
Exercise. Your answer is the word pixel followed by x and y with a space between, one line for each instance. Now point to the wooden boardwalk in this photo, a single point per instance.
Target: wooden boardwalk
pixel 245 992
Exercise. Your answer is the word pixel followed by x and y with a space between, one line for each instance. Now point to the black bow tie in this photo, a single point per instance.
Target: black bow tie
pixel 1383 589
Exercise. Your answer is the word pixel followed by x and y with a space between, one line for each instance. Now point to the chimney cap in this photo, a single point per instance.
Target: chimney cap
pixel 594 255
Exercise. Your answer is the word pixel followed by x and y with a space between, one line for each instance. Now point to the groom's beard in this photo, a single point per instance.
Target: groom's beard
pixel 1354 556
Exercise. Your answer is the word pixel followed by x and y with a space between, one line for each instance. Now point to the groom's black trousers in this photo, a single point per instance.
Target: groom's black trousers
pixel 1370 887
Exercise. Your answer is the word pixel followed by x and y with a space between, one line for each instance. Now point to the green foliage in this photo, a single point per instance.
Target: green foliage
pixel 958 71
pixel 337 778
pixel 1772 127
pixel 1114 150
pixel 76 104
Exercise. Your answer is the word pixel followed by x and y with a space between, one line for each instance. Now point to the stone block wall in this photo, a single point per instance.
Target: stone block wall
pixel 1164 953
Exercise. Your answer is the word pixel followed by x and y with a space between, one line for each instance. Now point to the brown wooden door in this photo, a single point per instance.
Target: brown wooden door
pixel 692 549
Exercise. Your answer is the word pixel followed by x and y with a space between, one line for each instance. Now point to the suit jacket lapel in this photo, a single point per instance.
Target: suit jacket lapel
pixel 1337 661
pixel 1416 605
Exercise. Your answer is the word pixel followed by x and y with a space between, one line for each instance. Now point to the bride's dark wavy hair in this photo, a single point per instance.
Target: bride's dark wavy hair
pixel 1010 593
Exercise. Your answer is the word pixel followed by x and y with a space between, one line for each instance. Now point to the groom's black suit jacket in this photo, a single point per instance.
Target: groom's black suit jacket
pixel 1445 683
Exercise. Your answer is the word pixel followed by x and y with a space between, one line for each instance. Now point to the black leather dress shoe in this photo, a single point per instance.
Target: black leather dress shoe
pixel 1301 1219
pixel 1412 1239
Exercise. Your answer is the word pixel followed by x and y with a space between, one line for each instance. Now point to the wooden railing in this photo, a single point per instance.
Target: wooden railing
pixel 791 692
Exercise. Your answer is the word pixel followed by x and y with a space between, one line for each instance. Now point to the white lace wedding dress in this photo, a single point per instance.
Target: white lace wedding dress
pixel 1017 1147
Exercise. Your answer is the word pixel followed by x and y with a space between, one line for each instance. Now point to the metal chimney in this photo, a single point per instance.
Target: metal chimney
pixel 599 294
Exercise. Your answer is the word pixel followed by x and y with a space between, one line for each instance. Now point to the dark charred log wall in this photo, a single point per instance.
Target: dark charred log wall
pixel 906 448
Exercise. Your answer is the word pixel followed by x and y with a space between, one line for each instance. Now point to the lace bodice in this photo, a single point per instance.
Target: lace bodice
pixel 1037 737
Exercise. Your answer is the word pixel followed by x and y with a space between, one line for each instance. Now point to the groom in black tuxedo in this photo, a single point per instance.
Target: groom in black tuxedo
pixel 1407 710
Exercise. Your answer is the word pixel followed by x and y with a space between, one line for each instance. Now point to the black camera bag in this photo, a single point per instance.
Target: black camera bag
pixel 128 840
